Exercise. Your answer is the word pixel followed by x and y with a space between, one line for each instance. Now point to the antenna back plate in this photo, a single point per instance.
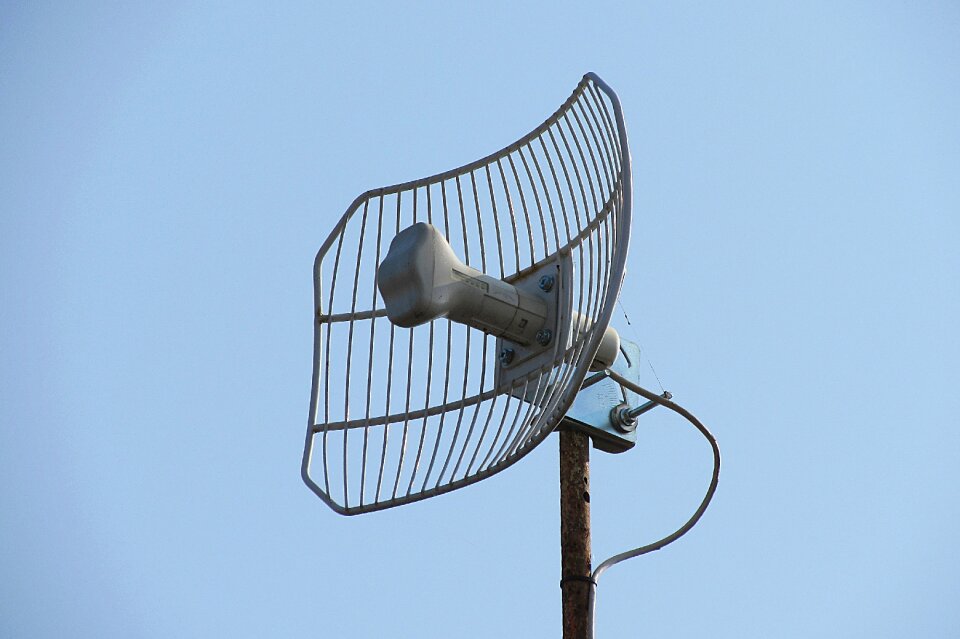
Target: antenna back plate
pixel 552 282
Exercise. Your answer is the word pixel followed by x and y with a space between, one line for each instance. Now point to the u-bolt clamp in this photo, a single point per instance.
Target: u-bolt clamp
pixel 624 418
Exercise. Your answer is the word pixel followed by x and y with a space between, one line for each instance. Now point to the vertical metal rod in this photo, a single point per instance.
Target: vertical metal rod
pixel 575 532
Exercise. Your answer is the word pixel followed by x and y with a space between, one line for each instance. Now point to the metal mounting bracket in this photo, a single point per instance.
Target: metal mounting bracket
pixel 600 396
pixel 553 282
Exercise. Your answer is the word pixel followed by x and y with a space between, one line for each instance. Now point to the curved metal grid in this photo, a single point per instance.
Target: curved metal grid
pixel 398 415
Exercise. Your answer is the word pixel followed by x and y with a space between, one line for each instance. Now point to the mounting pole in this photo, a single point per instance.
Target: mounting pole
pixel 575 582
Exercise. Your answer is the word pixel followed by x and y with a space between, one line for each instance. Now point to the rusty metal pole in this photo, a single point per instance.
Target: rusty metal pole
pixel 575 582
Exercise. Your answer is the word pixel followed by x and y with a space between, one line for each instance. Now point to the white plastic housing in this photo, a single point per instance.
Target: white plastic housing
pixel 609 345
pixel 421 279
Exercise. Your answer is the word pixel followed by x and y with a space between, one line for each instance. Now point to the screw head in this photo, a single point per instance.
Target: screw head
pixel 544 335
pixel 506 356
pixel 546 283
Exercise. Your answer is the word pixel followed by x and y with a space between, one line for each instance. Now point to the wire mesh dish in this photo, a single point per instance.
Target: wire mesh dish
pixel 402 414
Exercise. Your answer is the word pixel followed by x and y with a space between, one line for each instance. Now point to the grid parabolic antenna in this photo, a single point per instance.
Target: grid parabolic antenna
pixel 400 414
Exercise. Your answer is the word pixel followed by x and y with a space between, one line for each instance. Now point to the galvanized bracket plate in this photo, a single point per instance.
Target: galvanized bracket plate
pixel 590 411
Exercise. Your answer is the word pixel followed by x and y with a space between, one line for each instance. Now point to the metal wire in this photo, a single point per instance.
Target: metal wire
pixel 421 408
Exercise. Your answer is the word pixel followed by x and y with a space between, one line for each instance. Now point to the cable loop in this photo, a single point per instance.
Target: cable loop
pixel 711 489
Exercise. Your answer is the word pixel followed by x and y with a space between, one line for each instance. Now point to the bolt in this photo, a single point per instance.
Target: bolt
pixel 544 335
pixel 546 283
pixel 621 419
pixel 506 356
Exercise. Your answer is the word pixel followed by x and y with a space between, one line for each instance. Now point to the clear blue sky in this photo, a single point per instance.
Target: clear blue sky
pixel 167 175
